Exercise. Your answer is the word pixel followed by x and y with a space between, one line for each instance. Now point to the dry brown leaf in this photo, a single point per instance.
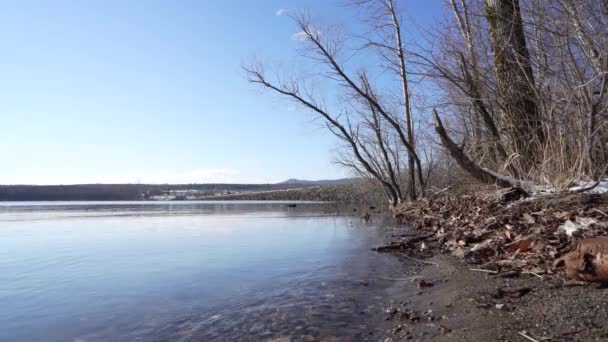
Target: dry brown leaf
pixel 520 246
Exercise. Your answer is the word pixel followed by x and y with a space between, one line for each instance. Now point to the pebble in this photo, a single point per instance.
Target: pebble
pixel 282 339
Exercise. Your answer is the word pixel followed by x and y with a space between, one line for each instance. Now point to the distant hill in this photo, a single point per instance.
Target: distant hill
pixel 318 182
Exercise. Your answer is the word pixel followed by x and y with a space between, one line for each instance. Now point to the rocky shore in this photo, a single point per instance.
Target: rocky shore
pixel 502 268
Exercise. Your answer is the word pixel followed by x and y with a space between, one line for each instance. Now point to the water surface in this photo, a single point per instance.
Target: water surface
pixel 187 270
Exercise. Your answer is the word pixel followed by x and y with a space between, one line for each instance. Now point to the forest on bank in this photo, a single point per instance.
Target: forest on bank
pixel 122 192
pixel 505 92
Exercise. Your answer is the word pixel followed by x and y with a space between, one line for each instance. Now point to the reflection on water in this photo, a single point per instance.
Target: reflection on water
pixel 186 270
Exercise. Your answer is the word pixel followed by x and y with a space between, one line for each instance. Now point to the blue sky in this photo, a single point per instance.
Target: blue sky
pixel 152 91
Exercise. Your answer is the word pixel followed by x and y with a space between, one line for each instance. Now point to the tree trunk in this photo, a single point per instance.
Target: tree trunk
pixel 465 162
pixel 515 79
pixel 406 99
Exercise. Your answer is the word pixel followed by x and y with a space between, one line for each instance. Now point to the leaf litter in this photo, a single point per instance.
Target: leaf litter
pixel 547 236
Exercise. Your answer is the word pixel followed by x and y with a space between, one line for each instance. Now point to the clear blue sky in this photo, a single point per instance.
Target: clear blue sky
pixel 152 91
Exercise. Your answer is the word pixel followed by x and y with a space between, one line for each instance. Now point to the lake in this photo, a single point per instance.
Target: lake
pixel 154 271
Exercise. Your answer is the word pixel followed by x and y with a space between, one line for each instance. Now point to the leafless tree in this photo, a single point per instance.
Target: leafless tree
pixel 523 88
pixel 366 123
pixel 525 85
pixel 386 39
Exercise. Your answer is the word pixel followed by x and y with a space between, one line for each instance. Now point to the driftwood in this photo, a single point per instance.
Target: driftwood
pixel 398 246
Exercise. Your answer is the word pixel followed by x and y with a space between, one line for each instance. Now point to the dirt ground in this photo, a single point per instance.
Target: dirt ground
pixel 472 285
pixel 466 305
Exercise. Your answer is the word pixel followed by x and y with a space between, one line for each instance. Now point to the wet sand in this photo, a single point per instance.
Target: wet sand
pixel 465 305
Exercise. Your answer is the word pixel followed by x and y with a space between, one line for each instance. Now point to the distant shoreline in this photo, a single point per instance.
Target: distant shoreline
pixel 144 192
pixel 357 192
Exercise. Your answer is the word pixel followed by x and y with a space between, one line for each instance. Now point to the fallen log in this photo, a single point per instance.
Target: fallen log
pixel 482 174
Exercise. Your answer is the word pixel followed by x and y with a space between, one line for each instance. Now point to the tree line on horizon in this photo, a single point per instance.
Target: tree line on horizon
pixel 114 192
pixel 507 92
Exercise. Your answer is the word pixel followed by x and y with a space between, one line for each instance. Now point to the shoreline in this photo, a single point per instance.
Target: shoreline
pixel 465 295
pixel 464 305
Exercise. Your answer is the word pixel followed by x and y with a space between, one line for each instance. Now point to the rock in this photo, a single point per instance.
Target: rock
pixel 459 252
pixel 281 339
pixel 481 246
pixel 445 330
pixel 581 223
pixel 511 292
pixel 589 260
pixel 365 217
pixel 513 194
pixel 423 283
pixel 569 227
pixel 256 327
pixel 480 253
pixel 331 339
pixel 528 219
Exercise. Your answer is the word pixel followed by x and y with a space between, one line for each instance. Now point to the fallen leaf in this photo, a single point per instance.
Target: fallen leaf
pixel 529 219
pixel 521 246
pixel 586 221
pixel 569 227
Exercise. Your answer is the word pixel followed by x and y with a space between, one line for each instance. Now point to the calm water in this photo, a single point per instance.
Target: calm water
pixel 187 270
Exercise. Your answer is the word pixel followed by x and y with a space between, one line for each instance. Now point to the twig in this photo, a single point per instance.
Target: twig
pixel 418 260
pixel 533 273
pixel 400 228
pixel 599 180
pixel 396 279
pixel 581 190
pixel 572 332
pixel 599 211
pixel 439 191
pixel 519 240
pixel 482 270
pixel 523 334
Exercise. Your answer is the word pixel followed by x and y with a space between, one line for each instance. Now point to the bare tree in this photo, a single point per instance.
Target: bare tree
pixel 514 78
pixel 368 138
pixel 343 131
pixel 387 41
pixel 400 50
pixel 524 88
